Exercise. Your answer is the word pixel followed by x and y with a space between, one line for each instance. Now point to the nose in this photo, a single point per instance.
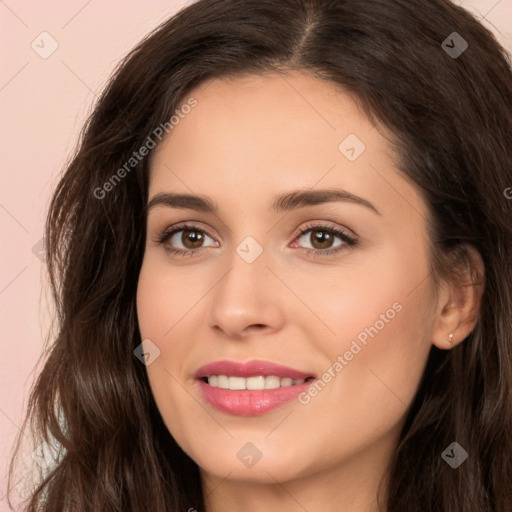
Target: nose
pixel 248 299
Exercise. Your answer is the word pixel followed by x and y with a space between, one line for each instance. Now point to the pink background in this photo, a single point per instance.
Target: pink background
pixel 44 102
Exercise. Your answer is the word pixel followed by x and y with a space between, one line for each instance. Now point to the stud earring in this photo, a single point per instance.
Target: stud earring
pixel 450 338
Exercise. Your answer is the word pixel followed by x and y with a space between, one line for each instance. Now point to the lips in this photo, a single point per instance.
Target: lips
pixel 250 369
pixel 252 388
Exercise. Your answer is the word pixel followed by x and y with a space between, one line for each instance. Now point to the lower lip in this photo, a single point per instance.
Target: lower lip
pixel 250 403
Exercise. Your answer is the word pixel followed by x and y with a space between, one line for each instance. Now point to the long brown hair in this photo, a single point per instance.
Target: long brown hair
pixel 451 116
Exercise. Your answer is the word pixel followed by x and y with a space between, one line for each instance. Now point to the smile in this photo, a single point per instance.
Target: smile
pixel 252 383
pixel 250 389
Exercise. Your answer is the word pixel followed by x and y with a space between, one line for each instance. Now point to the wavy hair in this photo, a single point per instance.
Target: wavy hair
pixel 451 117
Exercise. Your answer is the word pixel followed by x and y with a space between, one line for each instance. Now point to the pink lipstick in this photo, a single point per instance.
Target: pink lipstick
pixel 252 388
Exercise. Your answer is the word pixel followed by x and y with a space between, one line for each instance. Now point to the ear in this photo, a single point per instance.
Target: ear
pixel 459 299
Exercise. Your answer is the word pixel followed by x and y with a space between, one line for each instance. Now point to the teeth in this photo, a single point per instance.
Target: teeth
pixel 251 383
pixel 272 382
pixel 236 383
pixel 222 382
pixel 255 383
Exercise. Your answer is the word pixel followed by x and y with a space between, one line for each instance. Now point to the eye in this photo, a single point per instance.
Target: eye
pixel 189 236
pixel 321 238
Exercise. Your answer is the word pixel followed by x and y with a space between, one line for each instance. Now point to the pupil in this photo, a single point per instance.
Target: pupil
pixel 194 237
pixel 322 237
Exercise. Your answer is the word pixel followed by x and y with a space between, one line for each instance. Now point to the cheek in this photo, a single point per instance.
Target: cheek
pixel 153 298
pixel 164 297
pixel 162 307
pixel 382 295
pixel 382 318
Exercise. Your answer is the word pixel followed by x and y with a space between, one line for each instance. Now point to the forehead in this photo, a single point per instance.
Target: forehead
pixel 257 135
pixel 254 109
pixel 267 119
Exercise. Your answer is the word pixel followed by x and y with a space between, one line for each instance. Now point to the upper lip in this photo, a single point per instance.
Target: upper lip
pixel 249 369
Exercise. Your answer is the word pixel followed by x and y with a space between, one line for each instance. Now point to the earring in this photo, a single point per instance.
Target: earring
pixel 450 338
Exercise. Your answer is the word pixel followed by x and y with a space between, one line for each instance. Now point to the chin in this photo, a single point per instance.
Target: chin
pixel 252 462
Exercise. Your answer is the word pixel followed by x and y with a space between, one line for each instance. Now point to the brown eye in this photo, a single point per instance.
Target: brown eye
pixel 321 239
pixel 192 238
pixel 185 239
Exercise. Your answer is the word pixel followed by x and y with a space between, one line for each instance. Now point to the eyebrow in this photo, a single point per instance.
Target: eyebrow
pixel 282 203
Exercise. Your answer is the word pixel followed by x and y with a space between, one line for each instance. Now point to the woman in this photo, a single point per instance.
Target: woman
pixel 281 260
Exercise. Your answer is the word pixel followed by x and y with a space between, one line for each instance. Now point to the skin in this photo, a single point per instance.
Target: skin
pixel 248 139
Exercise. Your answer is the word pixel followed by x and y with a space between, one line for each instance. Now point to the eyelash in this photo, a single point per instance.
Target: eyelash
pixel 349 241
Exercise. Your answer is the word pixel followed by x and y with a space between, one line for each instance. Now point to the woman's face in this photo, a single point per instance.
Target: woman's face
pixel 352 313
